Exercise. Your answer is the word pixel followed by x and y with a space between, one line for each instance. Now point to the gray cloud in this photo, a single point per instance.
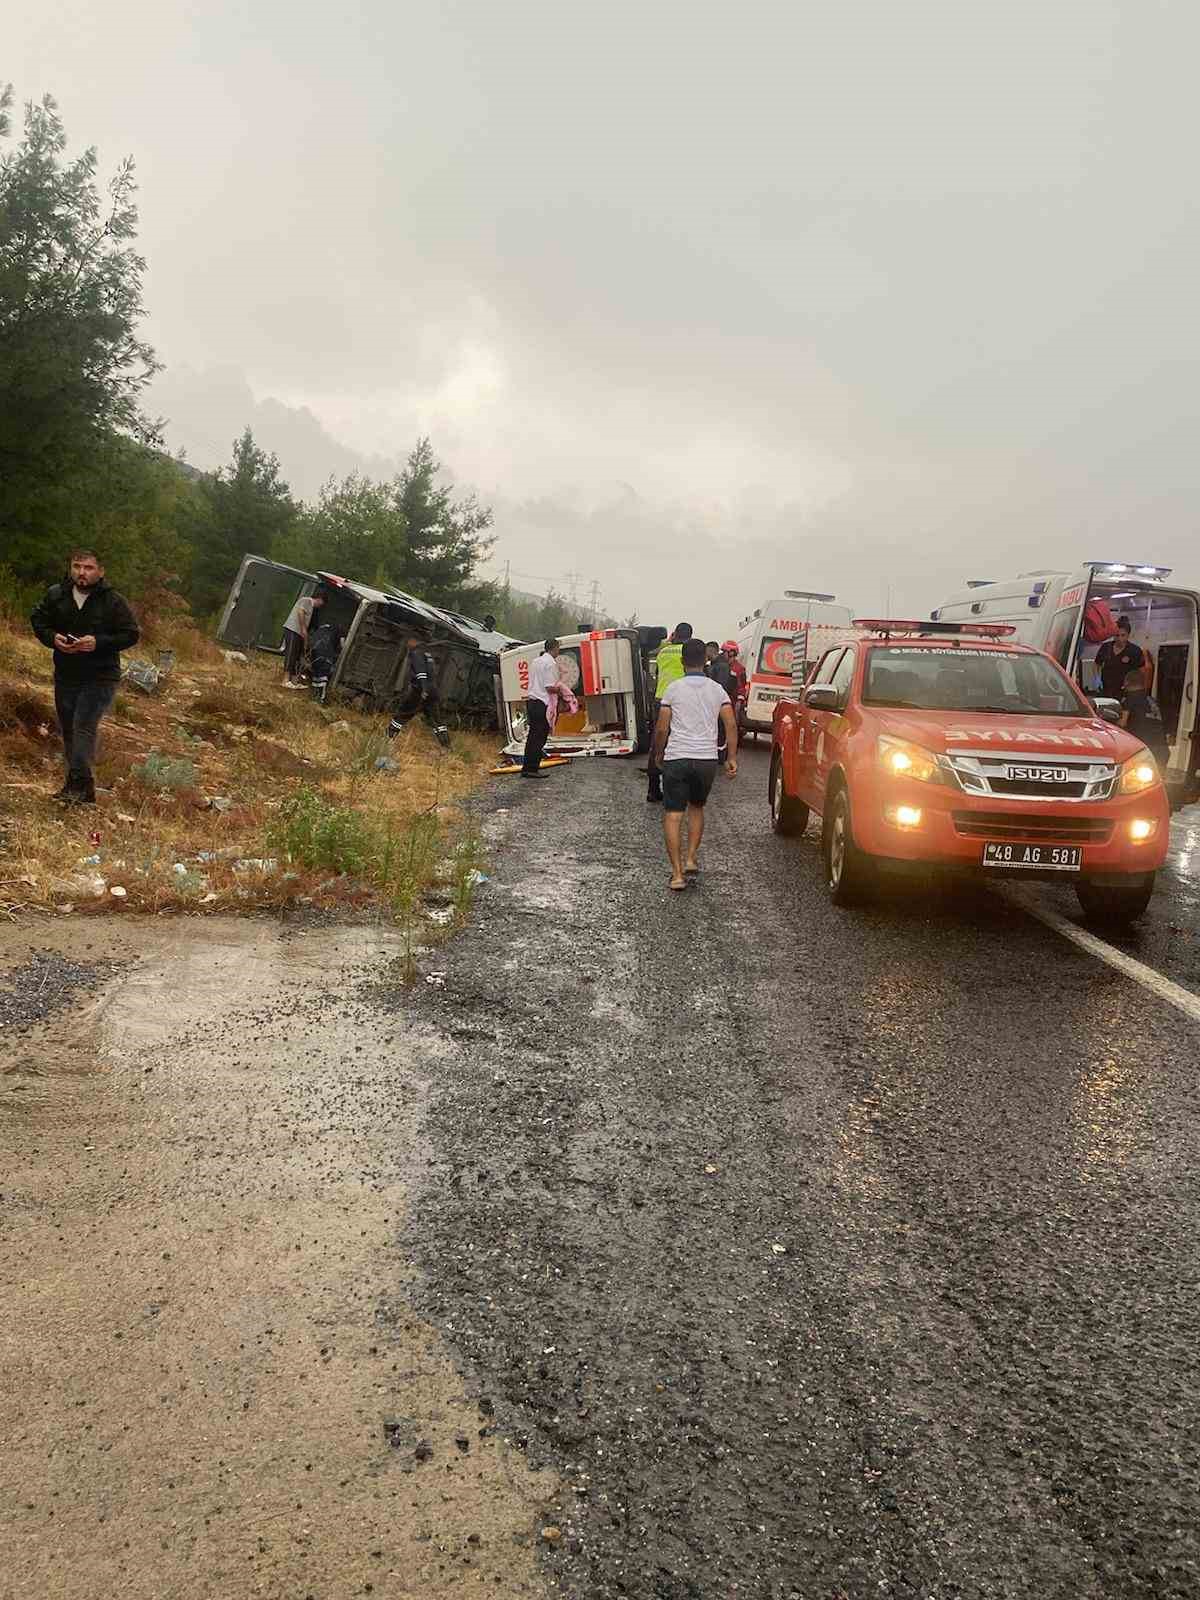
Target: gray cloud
pixel 706 298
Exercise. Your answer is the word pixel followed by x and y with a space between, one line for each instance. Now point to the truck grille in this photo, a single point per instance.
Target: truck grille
pixel 1066 777
pixel 1036 790
pixel 1058 830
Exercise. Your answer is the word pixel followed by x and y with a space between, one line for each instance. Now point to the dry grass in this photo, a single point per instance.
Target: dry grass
pixel 231 732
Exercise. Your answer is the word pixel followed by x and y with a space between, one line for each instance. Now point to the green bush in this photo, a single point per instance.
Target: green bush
pixel 163 772
pixel 324 837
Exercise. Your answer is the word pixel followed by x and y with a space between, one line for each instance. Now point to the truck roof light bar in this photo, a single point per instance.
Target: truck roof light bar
pixel 808 594
pixel 974 630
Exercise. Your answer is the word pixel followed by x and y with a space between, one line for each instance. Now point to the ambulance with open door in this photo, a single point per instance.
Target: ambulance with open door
pixel 796 628
pixel 1050 610
pixel 604 671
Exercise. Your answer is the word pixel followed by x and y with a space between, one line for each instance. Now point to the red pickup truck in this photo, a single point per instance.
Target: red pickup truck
pixel 944 747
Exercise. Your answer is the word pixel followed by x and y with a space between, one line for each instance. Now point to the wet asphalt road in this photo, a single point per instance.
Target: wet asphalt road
pixel 821 1253
pixel 1168 937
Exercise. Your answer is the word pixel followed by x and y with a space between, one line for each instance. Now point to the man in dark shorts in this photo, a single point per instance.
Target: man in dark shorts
pixel 693 708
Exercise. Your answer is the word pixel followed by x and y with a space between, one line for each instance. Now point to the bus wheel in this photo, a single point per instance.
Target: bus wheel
pixel 1115 906
pixel 848 874
pixel 788 816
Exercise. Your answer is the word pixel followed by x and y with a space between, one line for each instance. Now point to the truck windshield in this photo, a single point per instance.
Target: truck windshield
pixel 954 678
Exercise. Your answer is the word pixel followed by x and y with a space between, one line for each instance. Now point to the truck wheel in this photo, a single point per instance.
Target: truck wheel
pixel 788 816
pixel 848 874
pixel 1115 907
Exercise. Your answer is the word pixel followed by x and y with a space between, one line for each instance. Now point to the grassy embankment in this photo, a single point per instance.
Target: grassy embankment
pixel 303 817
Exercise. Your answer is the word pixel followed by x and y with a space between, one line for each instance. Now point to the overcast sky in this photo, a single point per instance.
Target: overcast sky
pixel 708 299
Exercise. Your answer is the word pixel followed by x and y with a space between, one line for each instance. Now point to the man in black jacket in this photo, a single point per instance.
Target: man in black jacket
pixel 422 696
pixel 87 625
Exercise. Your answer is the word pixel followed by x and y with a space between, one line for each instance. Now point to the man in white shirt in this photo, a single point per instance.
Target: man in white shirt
pixel 295 637
pixel 694 708
pixel 543 682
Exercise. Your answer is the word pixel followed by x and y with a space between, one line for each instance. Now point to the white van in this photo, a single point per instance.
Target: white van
pixel 1048 611
pixel 605 672
pixel 769 639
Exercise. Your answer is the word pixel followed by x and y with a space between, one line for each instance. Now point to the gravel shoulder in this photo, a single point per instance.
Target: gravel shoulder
pixel 212 1377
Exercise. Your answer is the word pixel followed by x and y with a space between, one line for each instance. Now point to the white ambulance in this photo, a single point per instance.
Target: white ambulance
pixel 799 626
pixel 1057 611
pixel 605 672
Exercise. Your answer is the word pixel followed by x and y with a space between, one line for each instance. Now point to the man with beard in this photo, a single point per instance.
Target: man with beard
pixel 87 625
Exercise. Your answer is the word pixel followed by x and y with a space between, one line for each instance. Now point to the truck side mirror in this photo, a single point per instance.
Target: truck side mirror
pixel 821 697
pixel 1108 710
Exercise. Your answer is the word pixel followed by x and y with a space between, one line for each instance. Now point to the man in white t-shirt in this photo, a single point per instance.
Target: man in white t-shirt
pixel 295 637
pixel 543 682
pixel 694 708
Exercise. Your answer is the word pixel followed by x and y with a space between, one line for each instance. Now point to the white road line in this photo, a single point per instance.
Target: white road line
pixel 1182 999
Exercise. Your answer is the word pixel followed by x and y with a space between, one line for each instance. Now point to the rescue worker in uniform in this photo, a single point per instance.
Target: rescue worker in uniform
pixel 422 694
pixel 738 681
pixel 717 668
pixel 669 669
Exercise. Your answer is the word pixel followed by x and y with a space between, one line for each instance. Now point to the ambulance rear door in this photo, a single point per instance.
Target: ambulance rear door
pixel 605 681
pixel 1061 632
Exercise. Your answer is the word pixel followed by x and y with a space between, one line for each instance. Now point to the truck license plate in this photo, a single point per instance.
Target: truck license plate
pixel 1043 857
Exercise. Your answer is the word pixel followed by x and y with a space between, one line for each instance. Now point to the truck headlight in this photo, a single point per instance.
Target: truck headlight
pixel 1138 774
pixel 904 760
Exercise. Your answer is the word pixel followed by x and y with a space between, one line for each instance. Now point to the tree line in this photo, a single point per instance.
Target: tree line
pixel 81 463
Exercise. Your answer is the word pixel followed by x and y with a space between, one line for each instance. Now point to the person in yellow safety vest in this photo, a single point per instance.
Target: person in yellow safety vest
pixel 668 670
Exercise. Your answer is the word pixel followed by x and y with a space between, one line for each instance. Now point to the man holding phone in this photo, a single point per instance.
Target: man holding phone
pixel 87 625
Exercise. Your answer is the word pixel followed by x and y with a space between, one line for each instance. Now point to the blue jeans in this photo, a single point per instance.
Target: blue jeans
pixel 80 707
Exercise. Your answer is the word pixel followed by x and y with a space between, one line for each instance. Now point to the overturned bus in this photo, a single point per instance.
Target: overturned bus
pixel 375 625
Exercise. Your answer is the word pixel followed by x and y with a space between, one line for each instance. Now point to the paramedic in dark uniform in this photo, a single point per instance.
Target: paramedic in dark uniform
pixel 422 694
pixel 1140 714
pixel 1116 659
pixel 543 682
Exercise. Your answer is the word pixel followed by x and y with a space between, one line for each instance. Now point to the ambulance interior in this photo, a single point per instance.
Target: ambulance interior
pixel 597 713
pixel 1164 626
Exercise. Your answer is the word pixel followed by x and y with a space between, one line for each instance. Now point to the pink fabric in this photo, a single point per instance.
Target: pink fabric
pixel 564 697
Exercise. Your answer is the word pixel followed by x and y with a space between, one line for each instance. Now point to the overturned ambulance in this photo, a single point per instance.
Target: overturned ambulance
pixel 605 669
pixel 375 624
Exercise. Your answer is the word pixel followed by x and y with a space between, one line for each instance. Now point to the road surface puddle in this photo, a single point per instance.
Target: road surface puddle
pixel 211 1381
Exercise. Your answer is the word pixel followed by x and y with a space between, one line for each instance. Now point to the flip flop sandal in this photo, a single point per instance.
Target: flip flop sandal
pixel 677 888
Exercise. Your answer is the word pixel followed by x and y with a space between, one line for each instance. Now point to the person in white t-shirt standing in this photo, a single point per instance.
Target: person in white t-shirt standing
pixel 694 708
pixel 543 682
pixel 295 636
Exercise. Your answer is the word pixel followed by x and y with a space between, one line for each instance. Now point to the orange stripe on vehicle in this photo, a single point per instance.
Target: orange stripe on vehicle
pixel 589 660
